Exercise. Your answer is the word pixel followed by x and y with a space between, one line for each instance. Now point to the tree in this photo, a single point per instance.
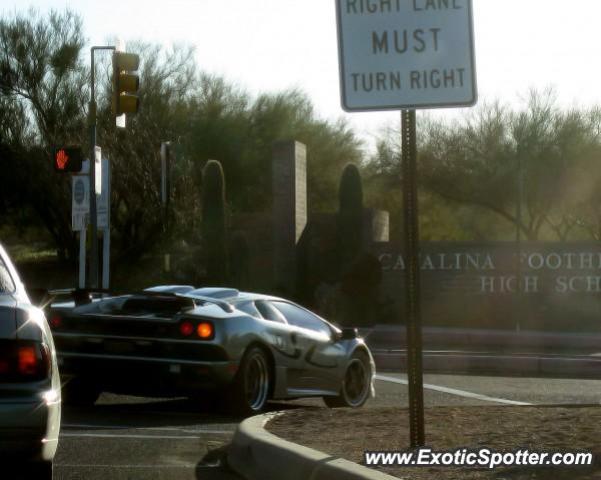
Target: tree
pixel 43 85
pixel 482 160
pixel 228 124
pixel 44 81
pixel 167 84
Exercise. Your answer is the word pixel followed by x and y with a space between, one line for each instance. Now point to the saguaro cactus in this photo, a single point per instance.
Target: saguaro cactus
pixel 350 216
pixel 214 227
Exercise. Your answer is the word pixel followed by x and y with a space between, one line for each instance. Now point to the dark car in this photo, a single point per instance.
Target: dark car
pixel 177 340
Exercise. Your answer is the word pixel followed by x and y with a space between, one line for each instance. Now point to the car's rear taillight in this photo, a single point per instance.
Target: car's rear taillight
pixel 27 360
pixel 205 330
pixel 24 361
pixel 186 328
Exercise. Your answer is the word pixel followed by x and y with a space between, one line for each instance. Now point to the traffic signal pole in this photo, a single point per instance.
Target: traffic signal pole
pixel 93 277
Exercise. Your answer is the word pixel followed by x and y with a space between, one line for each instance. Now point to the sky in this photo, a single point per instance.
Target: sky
pixel 272 45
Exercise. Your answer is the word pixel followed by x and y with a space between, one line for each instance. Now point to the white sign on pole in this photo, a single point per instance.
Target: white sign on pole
pixel 80 203
pixel 406 54
pixel 98 172
pixel 80 209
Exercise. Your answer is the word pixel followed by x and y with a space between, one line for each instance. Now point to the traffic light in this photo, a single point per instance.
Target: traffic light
pixel 125 83
pixel 68 159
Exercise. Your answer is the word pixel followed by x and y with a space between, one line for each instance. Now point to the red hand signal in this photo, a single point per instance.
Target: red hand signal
pixel 61 159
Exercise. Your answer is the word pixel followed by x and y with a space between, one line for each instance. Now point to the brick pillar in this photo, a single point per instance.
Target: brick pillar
pixel 289 187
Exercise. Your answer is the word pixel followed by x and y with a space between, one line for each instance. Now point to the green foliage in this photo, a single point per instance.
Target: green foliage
pixel 214 231
pixel 474 168
pixel 228 124
pixel 43 85
pixel 44 80
pixel 167 85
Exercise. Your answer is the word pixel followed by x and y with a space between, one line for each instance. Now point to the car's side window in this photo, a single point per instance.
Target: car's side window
pixel 301 317
pixel 6 282
pixel 269 312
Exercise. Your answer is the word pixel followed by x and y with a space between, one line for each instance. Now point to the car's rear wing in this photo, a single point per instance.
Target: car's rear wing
pixel 43 298
pixel 225 306
pixel 85 295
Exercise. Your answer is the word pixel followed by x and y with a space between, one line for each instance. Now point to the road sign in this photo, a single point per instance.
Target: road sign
pixel 80 209
pixel 406 54
pixel 98 172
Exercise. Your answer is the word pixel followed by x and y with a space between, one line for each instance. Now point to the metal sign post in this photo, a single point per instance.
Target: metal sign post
pixel 93 280
pixel 412 279
pixel 104 222
pixel 405 56
pixel 166 160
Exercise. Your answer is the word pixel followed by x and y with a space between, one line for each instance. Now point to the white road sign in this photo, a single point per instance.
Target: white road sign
pixel 98 167
pixel 80 209
pixel 406 54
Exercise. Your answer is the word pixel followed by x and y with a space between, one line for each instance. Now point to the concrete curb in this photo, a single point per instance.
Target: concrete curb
pixel 257 454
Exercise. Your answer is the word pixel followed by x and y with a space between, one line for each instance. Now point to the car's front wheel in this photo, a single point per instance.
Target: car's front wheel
pixel 250 390
pixel 356 384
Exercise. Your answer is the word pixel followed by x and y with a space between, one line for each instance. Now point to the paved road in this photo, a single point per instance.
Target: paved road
pixel 541 391
pixel 129 438
pixel 136 438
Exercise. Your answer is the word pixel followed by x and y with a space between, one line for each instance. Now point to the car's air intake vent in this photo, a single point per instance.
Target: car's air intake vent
pixel 155 304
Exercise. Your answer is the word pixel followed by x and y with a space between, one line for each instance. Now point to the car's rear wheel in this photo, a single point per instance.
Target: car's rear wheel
pixel 250 390
pixel 356 384
pixel 80 392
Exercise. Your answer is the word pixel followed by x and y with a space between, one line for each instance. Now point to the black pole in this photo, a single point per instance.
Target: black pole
pixel 519 304
pixel 412 281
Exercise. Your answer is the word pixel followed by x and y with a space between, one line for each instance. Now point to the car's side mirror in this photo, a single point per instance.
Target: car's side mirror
pixel 346 334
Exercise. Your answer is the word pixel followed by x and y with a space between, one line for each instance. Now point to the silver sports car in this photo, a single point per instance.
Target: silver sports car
pixel 30 390
pixel 177 340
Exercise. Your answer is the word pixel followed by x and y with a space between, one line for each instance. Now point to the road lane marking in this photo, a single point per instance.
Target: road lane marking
pixel 453 391
pixel 79 426
pixel 75 465
pixel 138 437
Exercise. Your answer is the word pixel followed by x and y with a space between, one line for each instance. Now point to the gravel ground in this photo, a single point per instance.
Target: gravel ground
pixel 349 433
